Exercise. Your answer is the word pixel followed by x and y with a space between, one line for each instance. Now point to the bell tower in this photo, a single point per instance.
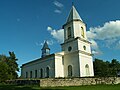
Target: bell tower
pixel 74 26
pixel 76 46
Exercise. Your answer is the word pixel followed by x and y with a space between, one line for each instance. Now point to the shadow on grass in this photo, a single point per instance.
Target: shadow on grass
pixel 15 87
pixel 51 89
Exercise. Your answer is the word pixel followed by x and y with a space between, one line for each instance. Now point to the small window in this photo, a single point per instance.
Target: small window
pixel 84 47
pixel 69 48
pixel 82 32
pixel 69 32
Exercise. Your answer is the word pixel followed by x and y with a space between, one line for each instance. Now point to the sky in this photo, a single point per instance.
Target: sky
pixel 26 24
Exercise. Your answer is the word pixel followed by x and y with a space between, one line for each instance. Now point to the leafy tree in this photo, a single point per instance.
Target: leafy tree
pixel 106 68
pixel 12 62
pixel 101 68
pixel 3 69
pixel 8 67
pixel 114 67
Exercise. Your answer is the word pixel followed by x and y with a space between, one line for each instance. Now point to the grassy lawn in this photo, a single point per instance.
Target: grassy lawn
pixel 95 87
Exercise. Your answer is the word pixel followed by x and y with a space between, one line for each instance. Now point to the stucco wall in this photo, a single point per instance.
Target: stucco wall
pixel 37 65
pixel 59 66
pixel 73 60
pixel 77 29
pixel 85 60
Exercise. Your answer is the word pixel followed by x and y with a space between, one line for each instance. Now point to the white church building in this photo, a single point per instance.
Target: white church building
pixel 75 59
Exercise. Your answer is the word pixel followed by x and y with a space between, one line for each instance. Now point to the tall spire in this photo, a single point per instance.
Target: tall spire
pixel 73 15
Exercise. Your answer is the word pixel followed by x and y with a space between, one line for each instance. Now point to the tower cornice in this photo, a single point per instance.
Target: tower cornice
pixel 79 51
pixel 77 20
pixel 73 39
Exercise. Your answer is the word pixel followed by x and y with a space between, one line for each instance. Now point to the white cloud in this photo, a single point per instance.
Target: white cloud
pixel 117 45
pixel 58 4
pixel 50 42
pixel 57 11
pixel 57 34
pixel 95 48
pixel 49 28
pixel 59 7
pixel 110 30
pixel 109 34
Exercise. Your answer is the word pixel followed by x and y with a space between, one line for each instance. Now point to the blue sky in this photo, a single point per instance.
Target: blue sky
pixel 26 24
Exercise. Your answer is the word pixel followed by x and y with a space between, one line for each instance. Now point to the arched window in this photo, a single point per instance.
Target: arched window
pixel 69 71
pixel 30 74
pixel 87 70
pixel 41 73
pixel 82 32
pixel 47 72
pixel 69 32
pixel 26 74
pixel 35 73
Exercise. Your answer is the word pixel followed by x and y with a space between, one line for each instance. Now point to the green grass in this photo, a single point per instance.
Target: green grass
pixel 93 87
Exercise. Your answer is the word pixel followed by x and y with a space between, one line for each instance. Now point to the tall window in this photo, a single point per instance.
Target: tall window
pixel 87 70
pixel 30 74
pixel 26 74
pixel 47 72
pixel 82 32
pixel 41 73
pixel 69 71
pixel 35 73
pixel 69 32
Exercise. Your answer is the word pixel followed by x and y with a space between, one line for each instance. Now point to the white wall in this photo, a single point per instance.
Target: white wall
pixel 87 45
pixel 83 60
pixel 77 29
pixel 37 65
pixel 59 66
pixel 73 60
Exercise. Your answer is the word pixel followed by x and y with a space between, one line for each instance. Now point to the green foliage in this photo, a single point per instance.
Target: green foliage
pixel 8 67
pixel 3 71
pixel 106 68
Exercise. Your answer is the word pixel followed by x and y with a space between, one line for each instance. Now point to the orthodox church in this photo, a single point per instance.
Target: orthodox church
pixel 75 59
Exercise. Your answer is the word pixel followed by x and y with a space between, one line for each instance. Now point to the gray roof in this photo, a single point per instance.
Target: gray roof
pixel 73 15
pixel 45 46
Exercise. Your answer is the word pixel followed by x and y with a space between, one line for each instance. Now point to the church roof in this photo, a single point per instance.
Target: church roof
pixel 45 46
pixel 73 15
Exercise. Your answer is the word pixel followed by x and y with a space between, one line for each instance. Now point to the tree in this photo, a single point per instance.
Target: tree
pixel 106 68
pixel 114 67
pixel 3 69
pixel 101 68
pixel 8 67
pixel 12 62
